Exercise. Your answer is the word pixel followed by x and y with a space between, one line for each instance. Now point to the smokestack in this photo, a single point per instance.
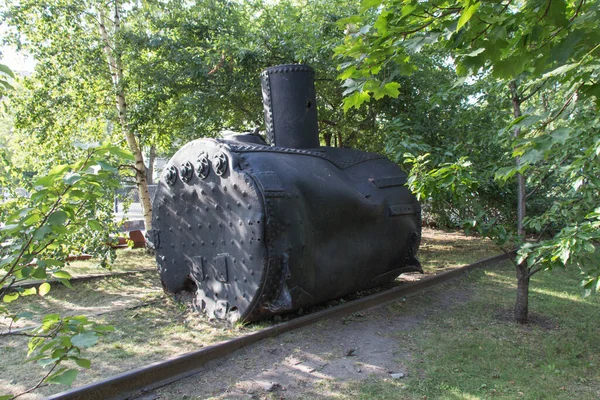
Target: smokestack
pixel 290 106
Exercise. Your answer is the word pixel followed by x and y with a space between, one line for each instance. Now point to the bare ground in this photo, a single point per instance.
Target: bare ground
pixel 315 361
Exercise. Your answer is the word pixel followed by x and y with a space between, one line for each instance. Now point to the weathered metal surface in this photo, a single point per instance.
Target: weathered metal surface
pixel 290 106
pixel 255 230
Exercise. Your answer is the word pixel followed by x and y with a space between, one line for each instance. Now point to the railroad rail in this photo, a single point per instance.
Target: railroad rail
pixel 135 382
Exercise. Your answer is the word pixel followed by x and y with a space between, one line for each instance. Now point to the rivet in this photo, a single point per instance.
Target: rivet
pixel 193 244
pixel 172 245
pixel 224 188
pixel 230 224
pixel 212 242
pixel 202 243
pixel 232 243
pixel 189 227
pixel 242 241
pixel 205 208
pixel 235 278
pixel 216 206
pixel 202 191
pixel 251 272
pixel 235 186
pixel 249 206
pixel 170 229
pixel 228 206
pixel 208 226
pixel 199 226
pixel 234 260
pixel 220 224
pixel 222 242
pixel 240 222
pixel 238 204
pixel 245 280
pixel 244 193
pixel 212 189
pixel 251 258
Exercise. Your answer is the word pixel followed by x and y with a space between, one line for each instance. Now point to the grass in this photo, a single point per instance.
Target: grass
pixel 476 351
pixel 127 260
pixel 165 328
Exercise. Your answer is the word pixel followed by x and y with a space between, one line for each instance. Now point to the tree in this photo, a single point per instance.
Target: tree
pixel 68 212
pixel 545 54
pixel 79 49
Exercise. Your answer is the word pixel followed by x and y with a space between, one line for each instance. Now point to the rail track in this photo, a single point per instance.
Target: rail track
pixel 138 381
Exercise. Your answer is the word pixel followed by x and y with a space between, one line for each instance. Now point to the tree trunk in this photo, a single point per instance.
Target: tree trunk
pixel 521 306
pixel 522 303
pixel 115 63
pixel 327 138
pixel 150 169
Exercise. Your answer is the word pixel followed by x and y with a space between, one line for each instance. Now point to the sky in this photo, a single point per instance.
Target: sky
pixel 18 63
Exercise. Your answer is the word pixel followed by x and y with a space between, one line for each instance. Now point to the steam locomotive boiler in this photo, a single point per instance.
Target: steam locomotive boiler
pixel 255 229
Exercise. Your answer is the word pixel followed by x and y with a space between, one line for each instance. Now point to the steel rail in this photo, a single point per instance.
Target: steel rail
pixel 152 376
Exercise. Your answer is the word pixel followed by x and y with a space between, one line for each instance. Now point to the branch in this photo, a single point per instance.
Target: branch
pixel 546 11
pixel 563 108
pixel 534 91
pixel 533 271
pixel 507 253
pixel 39 384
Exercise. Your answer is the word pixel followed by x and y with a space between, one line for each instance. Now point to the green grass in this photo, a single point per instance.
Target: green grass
pixel 476 351
pixel 127 260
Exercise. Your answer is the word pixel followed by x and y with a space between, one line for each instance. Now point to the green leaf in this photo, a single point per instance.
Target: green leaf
pixel 66 377
pixel 563 69
pixel 355 100
pixel 87 146
pixel 6 397
pixel 29 291
pixel 44 289
pixel 83 362
pixel 72 178
pixel 45 181
pixel 95 225
pixel 57 218
pixel 106 166
pixel 366 4
pixel 59 169
pixel 466 15
pixel 125 155
pixel 61 275
pixel 8 298
pixel 23 314
pixel 85 339
pixel 6 70
pixel 408 9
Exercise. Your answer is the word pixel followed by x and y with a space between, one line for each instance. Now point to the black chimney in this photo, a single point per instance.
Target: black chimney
pixel 290 106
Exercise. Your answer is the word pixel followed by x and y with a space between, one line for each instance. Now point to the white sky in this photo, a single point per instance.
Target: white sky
pixel 15 61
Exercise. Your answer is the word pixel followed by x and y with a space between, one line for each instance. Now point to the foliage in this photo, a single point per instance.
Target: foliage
pixel 68 211
pixel 546 53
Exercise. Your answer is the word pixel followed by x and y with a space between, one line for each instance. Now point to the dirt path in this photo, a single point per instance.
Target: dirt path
pixel 316 361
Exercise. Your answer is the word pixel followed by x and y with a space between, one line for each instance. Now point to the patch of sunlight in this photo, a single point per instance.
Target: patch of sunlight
pixel 500 278
pixel 457 393
pixel 562 295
